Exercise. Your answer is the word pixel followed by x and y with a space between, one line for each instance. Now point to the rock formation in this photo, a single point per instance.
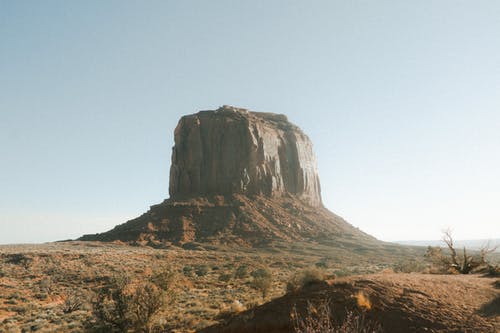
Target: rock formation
pixel 237 177
pixel 232 150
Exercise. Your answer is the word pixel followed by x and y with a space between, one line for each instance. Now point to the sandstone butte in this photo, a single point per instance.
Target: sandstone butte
pixel 239 178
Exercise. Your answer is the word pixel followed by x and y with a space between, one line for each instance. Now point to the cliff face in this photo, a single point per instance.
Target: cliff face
pixel 232 150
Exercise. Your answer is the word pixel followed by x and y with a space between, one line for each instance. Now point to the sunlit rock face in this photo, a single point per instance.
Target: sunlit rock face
pixel 232 150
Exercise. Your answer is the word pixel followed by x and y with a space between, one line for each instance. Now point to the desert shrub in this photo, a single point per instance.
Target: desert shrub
pixel 187 270
pixel 252 303
pixel 111 307
pixel 229 265
pixel 322 264
pixel 409 266
pixel 304 278
pixel 343 272
pixel 72 302
pixel 318 319
pixel 201 270
pixel 437 259
pixel 123 306
pixel 46 285
pixel 18 259
pixel 147 301
pixel 41 296
pixel 241 272
pixel 357 323
pixel 261 272
pixel 262 281
pixel 493 270
pixel 164 278
pixel 225 277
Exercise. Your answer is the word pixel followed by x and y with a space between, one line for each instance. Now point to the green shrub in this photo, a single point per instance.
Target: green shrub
pixel 188 270
pixel 147 301
pixel 123 306
pixel 164 278
pixel 261 272
pixel 225 277
pixel 262 281
pixel 409 266
pixel 18 259
pixel 241 272
pixel 304 278
pixel 201 270
pixel 322 264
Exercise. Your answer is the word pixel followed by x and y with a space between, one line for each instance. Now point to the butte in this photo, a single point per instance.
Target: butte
pixel 238 178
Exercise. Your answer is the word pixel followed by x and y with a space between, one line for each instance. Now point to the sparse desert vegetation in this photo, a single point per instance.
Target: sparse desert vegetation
pixel 105 287
pixel 384 302
pixel 166 209
pixel 318 318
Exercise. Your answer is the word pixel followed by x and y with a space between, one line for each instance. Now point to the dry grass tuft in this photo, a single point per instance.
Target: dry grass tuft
pixel 318 319
pixel 363 301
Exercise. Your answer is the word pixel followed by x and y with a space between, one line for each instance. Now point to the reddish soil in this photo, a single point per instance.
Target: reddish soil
pixel 399 302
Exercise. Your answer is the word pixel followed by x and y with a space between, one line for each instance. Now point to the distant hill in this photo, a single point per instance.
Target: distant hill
pixel 473 244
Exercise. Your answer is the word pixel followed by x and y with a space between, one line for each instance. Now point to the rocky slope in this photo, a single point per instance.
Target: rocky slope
pixel 233 220
pixel 238 177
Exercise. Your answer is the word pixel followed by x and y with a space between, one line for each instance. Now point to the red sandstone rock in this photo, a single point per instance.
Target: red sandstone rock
pixel 232 150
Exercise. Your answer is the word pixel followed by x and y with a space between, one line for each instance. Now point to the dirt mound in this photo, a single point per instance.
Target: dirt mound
pixel 399 302
pixel 234 220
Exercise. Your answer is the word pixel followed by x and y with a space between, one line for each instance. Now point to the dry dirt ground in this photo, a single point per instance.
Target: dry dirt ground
pixel 36 280
pixel 398 302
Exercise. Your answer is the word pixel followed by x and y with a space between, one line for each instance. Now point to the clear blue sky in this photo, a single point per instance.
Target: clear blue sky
pixel 401 100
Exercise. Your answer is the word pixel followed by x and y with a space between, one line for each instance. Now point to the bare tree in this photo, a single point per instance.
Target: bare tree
pixel 464 263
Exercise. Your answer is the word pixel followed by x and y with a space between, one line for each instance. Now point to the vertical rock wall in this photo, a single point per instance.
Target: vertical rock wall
pixel 232 150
